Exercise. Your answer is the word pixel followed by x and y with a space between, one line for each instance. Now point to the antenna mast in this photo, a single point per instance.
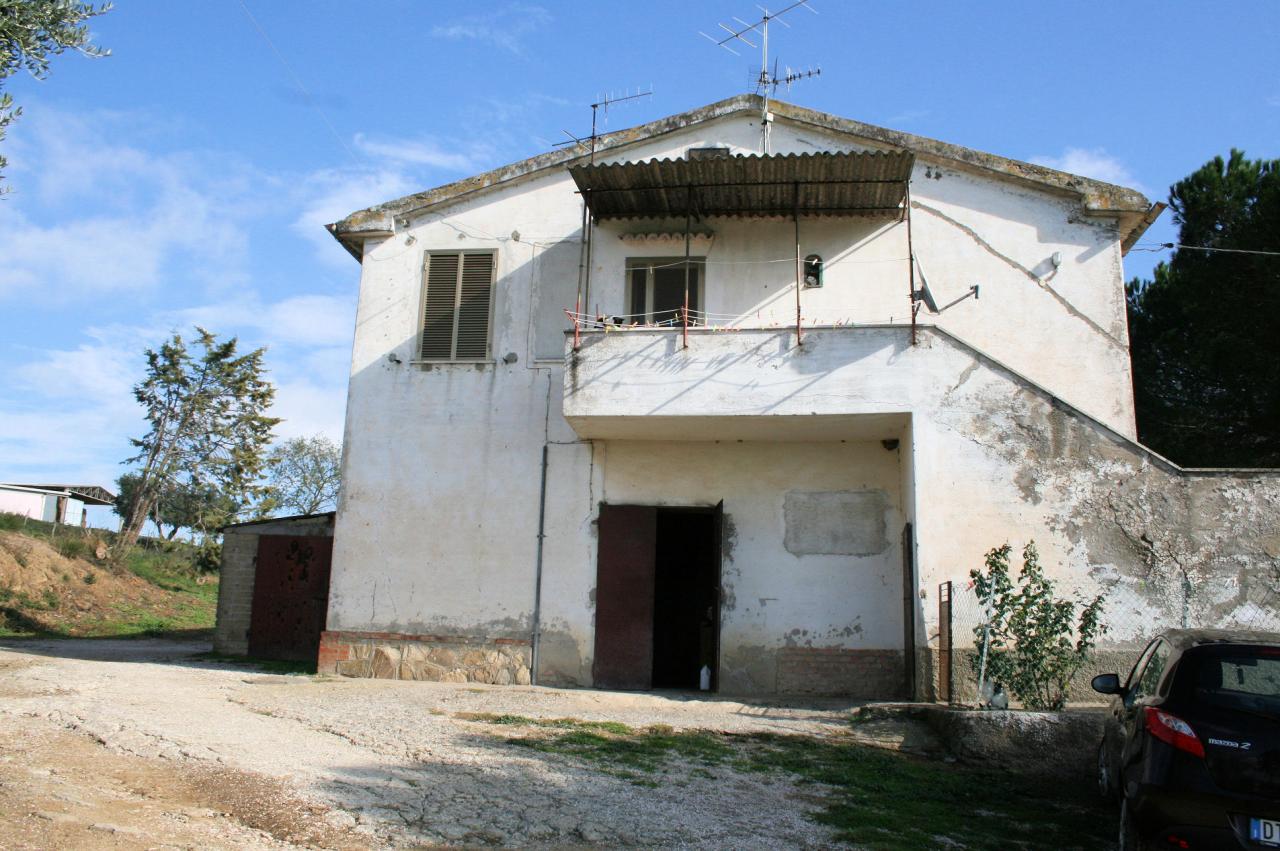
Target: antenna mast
pixel 766 83
pixel 604 103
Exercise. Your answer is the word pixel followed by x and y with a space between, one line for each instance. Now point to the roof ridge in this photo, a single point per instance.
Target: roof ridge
pixel 1097 197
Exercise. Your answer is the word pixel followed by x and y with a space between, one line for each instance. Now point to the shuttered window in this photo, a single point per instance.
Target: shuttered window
pixel 456 305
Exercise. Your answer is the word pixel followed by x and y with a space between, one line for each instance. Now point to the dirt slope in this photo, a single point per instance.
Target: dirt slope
pixel 43 591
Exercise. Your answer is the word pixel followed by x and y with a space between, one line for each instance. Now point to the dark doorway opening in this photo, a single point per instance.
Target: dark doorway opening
pixel 657 597
pixel 685 599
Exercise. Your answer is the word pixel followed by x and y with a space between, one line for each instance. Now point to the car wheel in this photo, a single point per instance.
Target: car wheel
pixel 1105 787
pixel 1129 838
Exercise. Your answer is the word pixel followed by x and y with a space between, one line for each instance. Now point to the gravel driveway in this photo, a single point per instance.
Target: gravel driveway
pixel 218 755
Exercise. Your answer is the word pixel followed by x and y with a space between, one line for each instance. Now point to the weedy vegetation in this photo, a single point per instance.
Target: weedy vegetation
pixel 872 798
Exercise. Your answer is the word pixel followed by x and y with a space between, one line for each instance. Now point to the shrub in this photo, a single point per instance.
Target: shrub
pixel 1035 642
pixel 73 547
pixel 208 557
pixel 90 578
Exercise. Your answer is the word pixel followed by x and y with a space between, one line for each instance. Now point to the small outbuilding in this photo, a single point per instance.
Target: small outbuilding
pixel 274 587
pixel 53 503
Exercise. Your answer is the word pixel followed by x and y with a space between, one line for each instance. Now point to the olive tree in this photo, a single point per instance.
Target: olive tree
pixel 33 31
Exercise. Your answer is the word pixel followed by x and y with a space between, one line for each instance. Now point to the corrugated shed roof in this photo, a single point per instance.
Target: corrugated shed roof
pixel 90 494
pixel 818 184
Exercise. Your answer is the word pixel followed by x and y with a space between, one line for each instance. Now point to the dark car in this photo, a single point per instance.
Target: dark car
pixel 1192 742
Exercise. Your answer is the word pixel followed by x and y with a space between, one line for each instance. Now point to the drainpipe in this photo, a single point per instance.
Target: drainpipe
pixel 796 214
pixel 536 638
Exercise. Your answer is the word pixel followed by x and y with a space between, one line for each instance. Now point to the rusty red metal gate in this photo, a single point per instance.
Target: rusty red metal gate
pixel 624 597
pixel 290 597
pixel 946 689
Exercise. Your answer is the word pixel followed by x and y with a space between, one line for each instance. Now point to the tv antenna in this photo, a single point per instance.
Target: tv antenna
pixel 766 83
pixel 603 103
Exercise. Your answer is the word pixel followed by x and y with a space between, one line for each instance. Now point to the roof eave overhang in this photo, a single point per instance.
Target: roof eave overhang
pixel 1130 207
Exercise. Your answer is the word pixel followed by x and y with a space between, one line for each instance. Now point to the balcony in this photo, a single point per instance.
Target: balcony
pixel 843 383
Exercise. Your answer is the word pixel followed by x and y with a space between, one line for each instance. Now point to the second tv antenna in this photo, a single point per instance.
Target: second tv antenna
pixel 603 103
pixel 766 82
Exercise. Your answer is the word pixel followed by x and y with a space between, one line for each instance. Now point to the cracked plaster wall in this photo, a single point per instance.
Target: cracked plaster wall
pixel 437 528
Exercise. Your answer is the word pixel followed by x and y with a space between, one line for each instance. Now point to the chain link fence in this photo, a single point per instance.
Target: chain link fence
pixel 1129 627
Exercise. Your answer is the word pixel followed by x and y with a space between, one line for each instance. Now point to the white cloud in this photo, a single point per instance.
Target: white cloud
pixel 1091 162
pixel 305 320
pixel 89 217
pixel 422 152
pixel 505 28
pixel 72 411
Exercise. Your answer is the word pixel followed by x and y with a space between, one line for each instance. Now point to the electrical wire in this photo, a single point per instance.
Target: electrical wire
pixel 1165 246
pixel 298 82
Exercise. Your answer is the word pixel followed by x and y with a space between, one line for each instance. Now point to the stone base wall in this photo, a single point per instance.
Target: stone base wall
pixel 863 674
pixel 448 659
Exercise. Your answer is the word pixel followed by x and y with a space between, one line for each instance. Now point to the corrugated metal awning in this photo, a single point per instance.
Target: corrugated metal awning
pixel 822 184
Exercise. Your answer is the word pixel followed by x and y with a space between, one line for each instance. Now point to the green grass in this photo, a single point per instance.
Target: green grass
pixel 873 798
pixel 172 571
pixel 167 565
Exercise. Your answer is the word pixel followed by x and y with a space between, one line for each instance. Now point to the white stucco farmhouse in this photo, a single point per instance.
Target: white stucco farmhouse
pixel 730 395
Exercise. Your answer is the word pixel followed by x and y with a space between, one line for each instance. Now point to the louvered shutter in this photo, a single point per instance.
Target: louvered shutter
pixel 458 291
pixel 473 307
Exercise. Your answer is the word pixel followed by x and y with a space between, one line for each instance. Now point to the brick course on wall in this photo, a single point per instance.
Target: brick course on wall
pixel 867 674
pixel 450 659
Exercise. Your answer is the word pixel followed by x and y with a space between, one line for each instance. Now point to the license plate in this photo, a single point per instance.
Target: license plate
pixel 1265 831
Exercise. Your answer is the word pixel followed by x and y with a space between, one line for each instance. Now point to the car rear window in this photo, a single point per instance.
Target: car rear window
pixel 1243 676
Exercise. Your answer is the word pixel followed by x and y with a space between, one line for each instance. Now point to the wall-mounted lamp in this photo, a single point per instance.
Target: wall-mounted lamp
pixel 392 357
pixel 813 271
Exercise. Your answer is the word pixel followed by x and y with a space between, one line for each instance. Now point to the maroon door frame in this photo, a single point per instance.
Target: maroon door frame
pixel 625 566
pixel 624 597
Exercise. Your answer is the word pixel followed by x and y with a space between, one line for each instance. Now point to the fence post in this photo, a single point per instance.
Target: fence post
pixel 945 691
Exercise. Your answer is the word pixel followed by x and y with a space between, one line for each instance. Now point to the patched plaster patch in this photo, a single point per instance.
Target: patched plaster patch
pixel 850 523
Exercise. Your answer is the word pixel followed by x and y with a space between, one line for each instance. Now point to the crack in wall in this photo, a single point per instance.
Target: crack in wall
pixel 1039 282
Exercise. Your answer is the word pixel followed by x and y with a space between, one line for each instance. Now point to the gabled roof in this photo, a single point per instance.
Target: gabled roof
pixel 1131 207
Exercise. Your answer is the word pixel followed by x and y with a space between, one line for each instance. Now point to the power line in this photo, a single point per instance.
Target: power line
pixel 1167 245
pixel 298 82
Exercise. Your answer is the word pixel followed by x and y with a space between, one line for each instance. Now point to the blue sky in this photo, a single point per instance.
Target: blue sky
pixel 186 178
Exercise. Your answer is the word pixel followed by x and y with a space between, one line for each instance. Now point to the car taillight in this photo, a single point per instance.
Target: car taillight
pixel 1172 730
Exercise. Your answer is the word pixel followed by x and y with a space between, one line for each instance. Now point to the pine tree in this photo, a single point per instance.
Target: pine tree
pixel 1205 332
pixel 209 427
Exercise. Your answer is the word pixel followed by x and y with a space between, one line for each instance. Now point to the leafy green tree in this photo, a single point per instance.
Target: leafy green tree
pixel 185 505
pixel 209 427
pixel 1205 331
pixel 1034 642
pixel 32 32
pixel 304 475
